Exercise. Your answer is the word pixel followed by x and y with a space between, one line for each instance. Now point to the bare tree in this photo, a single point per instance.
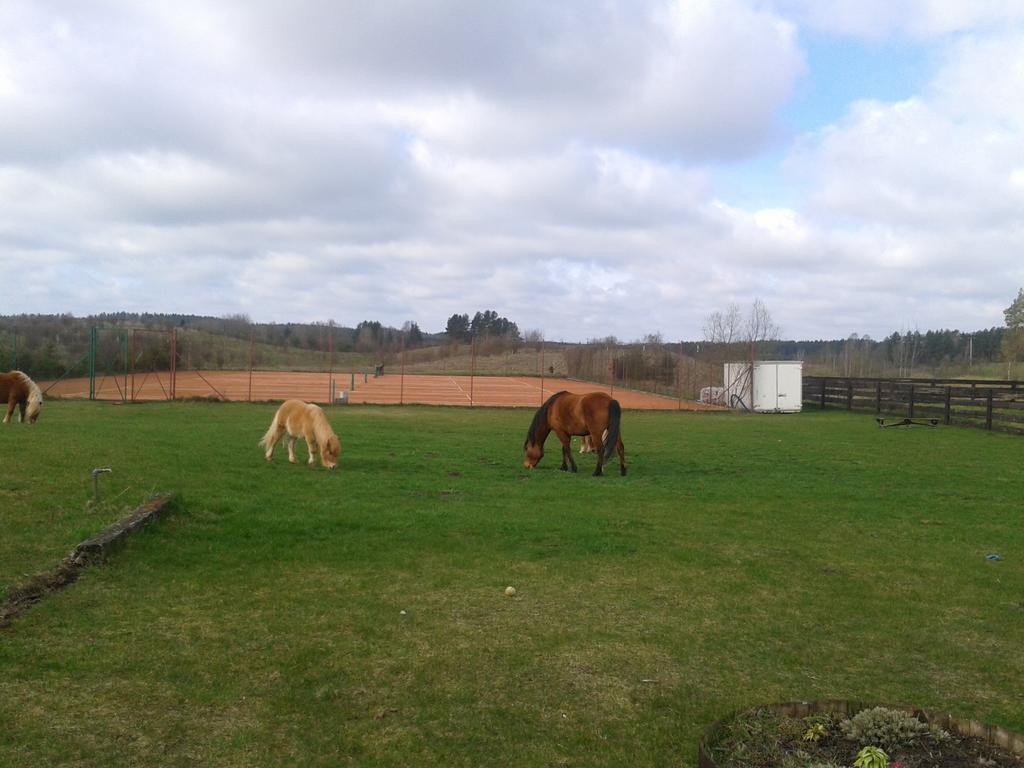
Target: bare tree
pixel 904 348
pixel 724 328
pixel 734 337
pixel 760 327
pixel 534 337
pixel 730 327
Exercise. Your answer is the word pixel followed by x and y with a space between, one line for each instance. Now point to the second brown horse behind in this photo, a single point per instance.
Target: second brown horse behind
pixel 566 415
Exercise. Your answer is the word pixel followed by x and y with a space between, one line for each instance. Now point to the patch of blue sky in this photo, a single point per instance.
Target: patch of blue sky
pixel 840 71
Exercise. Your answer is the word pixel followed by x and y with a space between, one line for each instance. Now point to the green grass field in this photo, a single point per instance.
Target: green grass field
pixel 745 559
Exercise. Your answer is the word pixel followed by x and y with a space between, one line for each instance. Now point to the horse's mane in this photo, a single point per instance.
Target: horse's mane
pixel 321 426
pixel 35 395
pixel 539 416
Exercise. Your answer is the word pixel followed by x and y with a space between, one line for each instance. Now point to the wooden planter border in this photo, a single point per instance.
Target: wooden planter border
pixel 995 735
pixel 92 550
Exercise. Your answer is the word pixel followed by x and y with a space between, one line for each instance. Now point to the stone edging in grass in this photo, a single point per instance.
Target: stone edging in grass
pixel 92 550
pixel 1009 740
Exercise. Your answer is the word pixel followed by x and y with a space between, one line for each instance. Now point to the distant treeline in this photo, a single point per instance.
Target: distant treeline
pixel 49 346
pixel 900 354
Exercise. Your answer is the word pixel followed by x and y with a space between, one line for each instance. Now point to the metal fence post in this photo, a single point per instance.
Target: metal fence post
pixel 174 363
pixel 542 371
pixel 472 369
pixel 252 342
pixel 92 363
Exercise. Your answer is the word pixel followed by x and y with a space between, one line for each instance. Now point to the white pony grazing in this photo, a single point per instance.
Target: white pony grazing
pixel 586 446
pixel 307 421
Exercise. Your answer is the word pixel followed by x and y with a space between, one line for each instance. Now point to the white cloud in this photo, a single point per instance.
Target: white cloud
pixel 876 19
pixel 554 161
pixel 942 161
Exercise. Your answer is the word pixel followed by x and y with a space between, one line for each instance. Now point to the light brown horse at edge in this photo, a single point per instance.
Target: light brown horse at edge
pixel 306 420
pixel 19 391
pixel 566 415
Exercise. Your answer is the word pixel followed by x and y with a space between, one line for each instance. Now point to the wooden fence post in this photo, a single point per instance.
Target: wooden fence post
pixel 849 394
pixel 948 396
pixel 822 393
pixel 910 413
pixel 988 410
pixel 878 397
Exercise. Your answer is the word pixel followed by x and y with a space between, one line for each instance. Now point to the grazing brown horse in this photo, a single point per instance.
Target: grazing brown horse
pixel 19 391
pixel 566 415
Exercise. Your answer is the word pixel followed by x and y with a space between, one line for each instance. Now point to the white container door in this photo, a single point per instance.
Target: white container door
pixel 789 396
pixel 766 387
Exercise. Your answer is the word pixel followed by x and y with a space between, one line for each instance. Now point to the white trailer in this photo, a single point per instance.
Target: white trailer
pixel 767 386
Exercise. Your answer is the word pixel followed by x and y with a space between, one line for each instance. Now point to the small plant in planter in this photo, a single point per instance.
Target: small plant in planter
pixel 889 728
pixel 876 737
pixel 815 732
pixel 871 757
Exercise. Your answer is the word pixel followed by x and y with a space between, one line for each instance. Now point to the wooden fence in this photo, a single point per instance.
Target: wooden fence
pixel 988 404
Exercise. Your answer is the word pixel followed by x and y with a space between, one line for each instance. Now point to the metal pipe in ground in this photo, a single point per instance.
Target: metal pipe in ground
pixel 96 481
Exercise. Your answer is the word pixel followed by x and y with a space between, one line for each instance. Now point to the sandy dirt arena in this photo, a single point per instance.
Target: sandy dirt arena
pixel 390 389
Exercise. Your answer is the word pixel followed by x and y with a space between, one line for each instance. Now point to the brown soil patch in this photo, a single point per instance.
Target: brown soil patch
pixel 390 389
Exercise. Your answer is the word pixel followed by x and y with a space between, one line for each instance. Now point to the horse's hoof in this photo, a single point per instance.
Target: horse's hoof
pixel 622 471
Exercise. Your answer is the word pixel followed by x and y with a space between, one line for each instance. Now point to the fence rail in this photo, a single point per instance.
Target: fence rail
pixel 983 403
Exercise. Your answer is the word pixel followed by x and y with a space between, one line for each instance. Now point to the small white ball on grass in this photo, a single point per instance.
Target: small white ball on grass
pixel 510 591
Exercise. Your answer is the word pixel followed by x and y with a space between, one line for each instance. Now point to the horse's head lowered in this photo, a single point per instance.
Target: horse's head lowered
pixel 330 452
pixel 33 405
pixel 534 453
pixel 538 432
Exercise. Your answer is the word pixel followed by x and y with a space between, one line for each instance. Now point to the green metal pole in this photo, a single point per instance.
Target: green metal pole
pixel 124 346
pixel 92 363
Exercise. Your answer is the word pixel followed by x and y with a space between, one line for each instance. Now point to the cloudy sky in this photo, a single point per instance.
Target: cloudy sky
pixel 583 167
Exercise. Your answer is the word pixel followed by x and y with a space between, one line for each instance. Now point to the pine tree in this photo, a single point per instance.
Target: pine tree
pixel 1015 312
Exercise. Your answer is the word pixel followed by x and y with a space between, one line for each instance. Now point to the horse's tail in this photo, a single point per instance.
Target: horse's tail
pixel 612 440
pixel 266 440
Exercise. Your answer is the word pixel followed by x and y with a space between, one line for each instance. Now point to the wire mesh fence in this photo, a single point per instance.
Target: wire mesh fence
pixel 327 363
